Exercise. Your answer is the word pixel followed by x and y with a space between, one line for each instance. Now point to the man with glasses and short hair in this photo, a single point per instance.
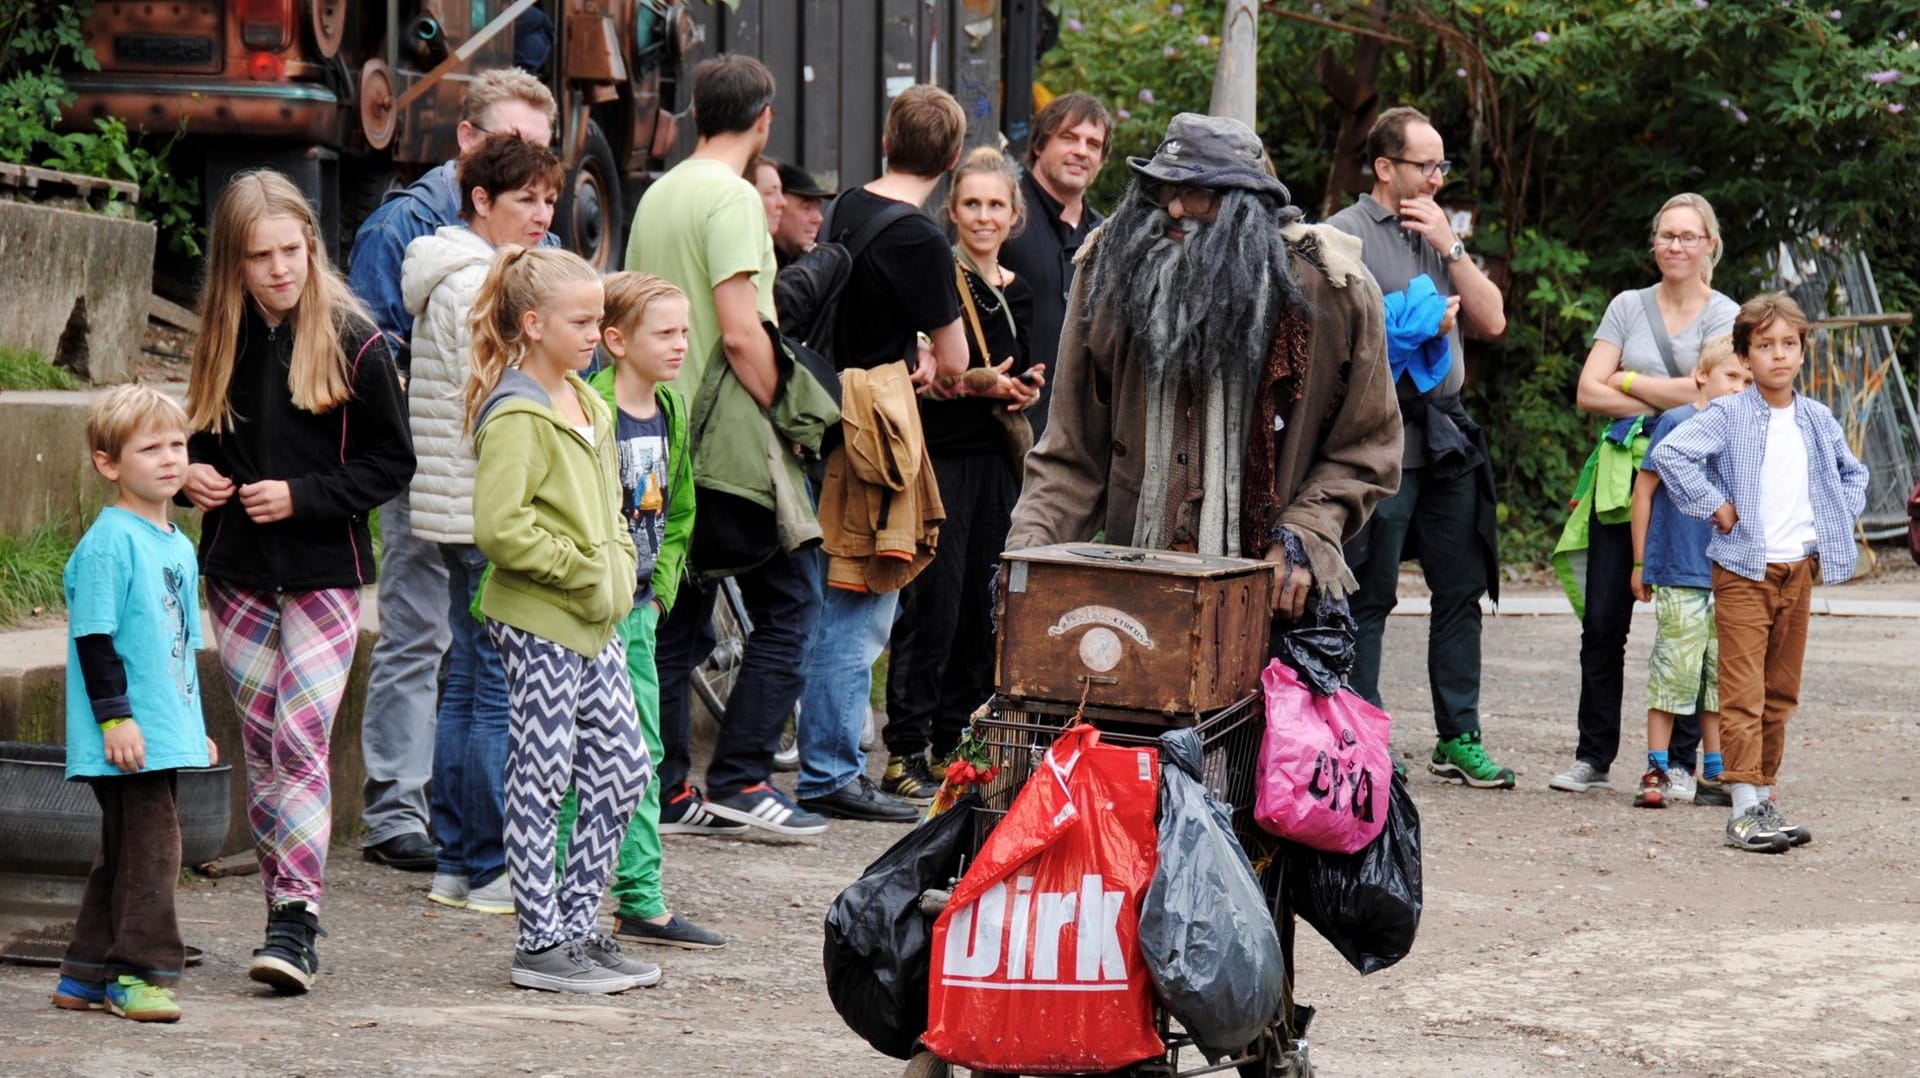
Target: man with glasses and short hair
pixel 1445 502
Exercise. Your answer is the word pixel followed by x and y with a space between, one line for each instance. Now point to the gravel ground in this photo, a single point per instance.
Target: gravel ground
pixel 1563 934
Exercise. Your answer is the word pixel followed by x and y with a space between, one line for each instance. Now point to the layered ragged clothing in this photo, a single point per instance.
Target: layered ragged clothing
pixel 1323 443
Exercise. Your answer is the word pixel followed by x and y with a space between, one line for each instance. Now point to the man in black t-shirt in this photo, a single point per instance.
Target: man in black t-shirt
pixel 901 286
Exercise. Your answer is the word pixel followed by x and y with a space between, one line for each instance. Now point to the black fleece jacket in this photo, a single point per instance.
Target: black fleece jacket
pixel 339 465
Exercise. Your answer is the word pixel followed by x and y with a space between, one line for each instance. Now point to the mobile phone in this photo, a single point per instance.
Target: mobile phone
pixel 1029 377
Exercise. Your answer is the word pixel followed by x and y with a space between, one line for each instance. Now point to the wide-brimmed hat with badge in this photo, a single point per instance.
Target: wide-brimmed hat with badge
pixel 1215 152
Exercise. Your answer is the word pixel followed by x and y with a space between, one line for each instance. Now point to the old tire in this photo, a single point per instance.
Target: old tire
pixel 591 218
pixel 50 825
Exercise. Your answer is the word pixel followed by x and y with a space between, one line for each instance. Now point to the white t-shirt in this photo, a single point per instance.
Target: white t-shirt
pixel 1786 509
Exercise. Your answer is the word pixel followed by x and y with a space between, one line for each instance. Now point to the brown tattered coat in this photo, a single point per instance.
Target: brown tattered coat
pixel 1338 457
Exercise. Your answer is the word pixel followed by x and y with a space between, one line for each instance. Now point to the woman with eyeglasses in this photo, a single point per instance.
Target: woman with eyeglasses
pixel 1641 365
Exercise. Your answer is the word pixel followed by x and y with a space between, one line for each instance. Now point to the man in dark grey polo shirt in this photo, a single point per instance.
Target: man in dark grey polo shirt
pixel 1069 145
pixel 1445 501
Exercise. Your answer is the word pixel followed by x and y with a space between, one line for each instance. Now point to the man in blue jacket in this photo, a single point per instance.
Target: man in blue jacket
pixel 396 736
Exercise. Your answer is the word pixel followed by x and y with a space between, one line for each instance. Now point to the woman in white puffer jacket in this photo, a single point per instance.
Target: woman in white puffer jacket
pixel 508 187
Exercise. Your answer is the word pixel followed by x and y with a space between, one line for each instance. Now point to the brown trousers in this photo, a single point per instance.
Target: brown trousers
pixel 1763 638
pixel 126 923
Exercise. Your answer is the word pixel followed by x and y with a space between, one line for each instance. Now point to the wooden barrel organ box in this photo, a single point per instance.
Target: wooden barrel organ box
pixel 1139 630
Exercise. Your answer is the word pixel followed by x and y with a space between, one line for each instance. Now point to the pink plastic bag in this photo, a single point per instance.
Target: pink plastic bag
pixel 1325 765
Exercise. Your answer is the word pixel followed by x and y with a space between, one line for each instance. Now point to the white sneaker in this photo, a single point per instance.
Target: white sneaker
pixel 1580 778
pixel 1681 785
pixel 495 897
pixel 449 889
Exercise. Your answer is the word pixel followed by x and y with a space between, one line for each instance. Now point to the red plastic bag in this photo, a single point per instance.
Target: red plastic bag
pixel 1036 959
pixel 1325 767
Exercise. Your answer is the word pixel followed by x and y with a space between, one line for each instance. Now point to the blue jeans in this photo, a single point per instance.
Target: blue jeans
pixel 853 631
pixel 470 744
pixel 396 734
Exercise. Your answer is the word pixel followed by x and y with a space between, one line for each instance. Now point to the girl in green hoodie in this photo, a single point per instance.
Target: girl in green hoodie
pixel 546 512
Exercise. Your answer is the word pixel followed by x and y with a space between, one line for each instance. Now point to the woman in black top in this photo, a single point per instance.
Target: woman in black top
pixel 942 648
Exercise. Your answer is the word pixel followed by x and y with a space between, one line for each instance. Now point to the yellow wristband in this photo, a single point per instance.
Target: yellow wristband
pixel 111 723
pixel 1626 384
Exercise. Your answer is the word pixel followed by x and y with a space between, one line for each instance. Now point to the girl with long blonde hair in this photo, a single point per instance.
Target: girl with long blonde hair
pixel 299 431
pixel 547 514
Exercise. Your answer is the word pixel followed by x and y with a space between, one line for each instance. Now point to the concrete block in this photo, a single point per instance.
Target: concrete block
pixel 79 293
pixel 43 454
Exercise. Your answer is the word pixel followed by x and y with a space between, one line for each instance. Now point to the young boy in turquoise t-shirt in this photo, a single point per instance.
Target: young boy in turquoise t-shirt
pixel 133 709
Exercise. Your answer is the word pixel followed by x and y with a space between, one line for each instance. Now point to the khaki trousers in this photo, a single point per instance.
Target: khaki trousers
pixel 1763 638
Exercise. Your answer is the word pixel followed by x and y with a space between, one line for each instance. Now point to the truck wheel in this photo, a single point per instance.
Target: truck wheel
pixel 591 218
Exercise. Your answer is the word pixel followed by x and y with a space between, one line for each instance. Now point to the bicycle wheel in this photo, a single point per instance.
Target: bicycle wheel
pixel 713 679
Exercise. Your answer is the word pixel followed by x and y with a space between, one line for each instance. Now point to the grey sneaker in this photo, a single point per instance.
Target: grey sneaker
pixel 1580 778
pixel 1796 834
pixel 566 968
pixel 1753 832
pixel 495 897
pixel 607 954
pixel 449 889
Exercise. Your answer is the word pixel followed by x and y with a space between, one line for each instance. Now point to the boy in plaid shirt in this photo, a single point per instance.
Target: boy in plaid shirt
pixel 1772 471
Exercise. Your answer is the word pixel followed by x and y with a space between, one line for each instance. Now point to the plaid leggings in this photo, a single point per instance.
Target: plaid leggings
pixel 287 655
pixel 573 725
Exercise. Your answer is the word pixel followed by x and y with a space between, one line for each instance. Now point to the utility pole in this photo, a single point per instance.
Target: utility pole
pixel 1233 80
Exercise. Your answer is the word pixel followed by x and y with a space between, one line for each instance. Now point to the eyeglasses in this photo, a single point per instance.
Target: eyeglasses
pixel 1687 240
pixel 1194 201
pixel 1427 168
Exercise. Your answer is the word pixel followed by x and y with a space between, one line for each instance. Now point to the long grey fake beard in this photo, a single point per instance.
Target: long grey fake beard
pixel 1203 306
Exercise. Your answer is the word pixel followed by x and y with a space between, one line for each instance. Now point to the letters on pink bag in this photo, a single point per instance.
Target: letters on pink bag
pixel 1326 768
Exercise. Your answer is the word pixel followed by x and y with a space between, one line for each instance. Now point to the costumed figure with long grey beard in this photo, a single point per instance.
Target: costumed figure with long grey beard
pixel 1222 383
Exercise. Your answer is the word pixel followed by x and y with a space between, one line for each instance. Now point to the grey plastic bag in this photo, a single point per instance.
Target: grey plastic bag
pixel 1205 929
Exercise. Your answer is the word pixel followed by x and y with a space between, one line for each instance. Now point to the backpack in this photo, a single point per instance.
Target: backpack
pixel 807 292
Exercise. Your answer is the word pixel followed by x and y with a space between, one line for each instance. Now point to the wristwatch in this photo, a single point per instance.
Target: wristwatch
pixel 1454 253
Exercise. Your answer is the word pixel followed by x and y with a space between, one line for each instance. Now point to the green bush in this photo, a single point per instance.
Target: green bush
pixel 35 40
pixel 21 369
pixel 30 572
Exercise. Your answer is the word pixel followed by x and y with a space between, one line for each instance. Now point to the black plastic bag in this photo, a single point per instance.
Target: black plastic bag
pixel 880 945
pixel 1206 930
pixel 1366 904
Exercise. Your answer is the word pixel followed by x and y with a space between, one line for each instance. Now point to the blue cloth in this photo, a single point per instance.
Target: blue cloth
pixel 1415 345
pixel 138 584
pixel 1717 457
pixel 853 630
pixel 644 490
pixel 471 735
pixel 381 246
pixel 1676 550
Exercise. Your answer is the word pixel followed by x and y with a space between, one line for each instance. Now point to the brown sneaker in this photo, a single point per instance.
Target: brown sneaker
pixel 1653 790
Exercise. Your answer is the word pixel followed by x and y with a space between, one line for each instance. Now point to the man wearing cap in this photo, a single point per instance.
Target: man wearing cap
pixel 800 225
pixel 1446 497
pixel 1222 384
pixel 1070 142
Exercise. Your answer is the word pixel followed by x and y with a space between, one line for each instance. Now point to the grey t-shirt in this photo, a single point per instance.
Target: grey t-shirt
pixel 1396 256
pixel 1625 327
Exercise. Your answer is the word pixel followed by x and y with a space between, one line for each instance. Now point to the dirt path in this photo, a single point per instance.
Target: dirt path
pixel 1563 934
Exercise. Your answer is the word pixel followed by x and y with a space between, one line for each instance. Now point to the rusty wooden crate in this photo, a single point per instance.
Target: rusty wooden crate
pixel 1143 630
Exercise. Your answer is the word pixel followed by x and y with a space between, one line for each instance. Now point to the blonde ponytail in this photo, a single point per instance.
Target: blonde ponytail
pixel 521 280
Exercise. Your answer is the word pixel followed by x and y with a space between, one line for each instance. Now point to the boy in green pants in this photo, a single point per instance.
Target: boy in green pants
pixel 645 331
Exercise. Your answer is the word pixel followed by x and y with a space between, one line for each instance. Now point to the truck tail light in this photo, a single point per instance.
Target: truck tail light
pixel 265 25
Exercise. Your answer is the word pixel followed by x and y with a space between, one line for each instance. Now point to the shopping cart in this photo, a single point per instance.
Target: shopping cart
pixel 1017 733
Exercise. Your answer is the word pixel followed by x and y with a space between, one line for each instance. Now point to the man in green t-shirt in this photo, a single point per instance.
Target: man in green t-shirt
pixel 703 227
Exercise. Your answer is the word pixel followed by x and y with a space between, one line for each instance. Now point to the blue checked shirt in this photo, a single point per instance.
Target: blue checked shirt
pixel 1717 457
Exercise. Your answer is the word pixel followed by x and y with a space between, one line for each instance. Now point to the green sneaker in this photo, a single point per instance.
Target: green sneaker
pixel 1462 759
pixel 131 997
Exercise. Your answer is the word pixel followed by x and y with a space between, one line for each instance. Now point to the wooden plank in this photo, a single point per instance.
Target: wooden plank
pixel 862 98
pixel 161 309
pixel 819 91
pixel 234 864
pixel 780 40
pixel 46 182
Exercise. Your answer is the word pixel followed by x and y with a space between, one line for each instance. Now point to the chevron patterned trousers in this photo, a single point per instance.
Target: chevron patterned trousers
pixel 287 655
pixel 573 725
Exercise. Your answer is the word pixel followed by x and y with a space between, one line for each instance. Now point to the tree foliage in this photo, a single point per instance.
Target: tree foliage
pixel 1570 122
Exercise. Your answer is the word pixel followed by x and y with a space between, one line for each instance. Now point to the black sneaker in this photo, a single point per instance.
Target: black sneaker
pixel 1796 834
pixel 766 808
pixel 685 813
pixel 677 932
pixel 409 851
pixel 911 779
pixel 287 961
pixel 1711 792
pixel 862 800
